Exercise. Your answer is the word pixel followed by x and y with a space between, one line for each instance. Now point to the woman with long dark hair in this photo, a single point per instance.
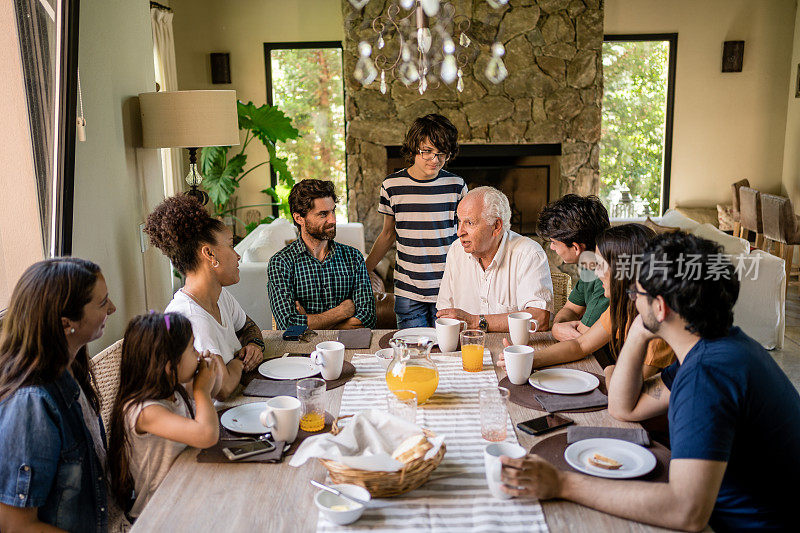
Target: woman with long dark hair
pixel 618 248
pixel 153 420
pixel 201 248
pixel 52 447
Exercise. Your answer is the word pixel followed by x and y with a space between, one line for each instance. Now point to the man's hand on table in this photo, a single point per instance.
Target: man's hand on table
pixel 251 356
pixel 459 314
pixel 566 331
pixel 530 476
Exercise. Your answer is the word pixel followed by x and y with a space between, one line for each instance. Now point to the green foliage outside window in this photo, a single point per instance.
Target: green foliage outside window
pixel 307 84
pixel 634 117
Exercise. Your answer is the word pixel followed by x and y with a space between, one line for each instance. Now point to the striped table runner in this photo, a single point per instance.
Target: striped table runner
pixel 458 503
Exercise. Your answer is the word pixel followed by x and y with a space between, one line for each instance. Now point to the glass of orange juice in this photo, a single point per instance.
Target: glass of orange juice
pixel 472 341
pixel 311 393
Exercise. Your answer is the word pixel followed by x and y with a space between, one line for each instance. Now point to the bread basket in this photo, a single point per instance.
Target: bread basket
pixel 384 484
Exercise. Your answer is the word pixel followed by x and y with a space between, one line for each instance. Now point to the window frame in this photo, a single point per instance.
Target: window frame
pixel 296 45
pixel 672 62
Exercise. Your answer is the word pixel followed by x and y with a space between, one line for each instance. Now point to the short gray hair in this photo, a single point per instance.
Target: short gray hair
pixel 495 205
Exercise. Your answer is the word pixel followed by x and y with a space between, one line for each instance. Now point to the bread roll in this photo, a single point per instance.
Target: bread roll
pixel 412 448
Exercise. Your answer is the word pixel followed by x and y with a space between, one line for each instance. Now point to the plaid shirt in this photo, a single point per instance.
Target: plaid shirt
pixel 297 276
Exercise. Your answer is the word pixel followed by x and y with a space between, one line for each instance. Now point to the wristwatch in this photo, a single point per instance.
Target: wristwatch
pixel 483 324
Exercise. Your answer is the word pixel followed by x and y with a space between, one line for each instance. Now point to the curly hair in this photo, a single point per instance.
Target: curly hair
pixel 303 194
pixel 573 219
pixel 704 299
pixel 179 227
pixel 437 129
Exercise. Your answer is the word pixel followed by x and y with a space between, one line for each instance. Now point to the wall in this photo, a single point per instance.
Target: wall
pixel 116 183
pixel 20 230
pixel 727 125
pixel 241 27
pixel 791 152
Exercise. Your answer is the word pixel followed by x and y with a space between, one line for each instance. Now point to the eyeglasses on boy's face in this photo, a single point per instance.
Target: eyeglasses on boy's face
pixel 430 155
pixel 633 293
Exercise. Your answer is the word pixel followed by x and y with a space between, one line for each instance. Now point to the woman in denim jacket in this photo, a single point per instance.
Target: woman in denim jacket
pixel 52 448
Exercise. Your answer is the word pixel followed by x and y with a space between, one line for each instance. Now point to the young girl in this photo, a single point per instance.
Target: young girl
pixel 153 419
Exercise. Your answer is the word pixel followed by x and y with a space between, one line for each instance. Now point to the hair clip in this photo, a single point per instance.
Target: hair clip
pixel 166 320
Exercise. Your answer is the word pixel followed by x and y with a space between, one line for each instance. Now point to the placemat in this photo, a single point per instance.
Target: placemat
pixel 355 339
pixel 384 341
pixel 215 454
pixel 635 435
pixel 523 395
pixel 552 449
pixel 269 388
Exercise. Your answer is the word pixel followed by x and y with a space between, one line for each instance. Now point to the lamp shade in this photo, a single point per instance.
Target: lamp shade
pixel 189 119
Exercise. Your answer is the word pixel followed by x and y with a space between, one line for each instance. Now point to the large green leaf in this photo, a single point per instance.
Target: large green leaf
pixel 268 123
pixel 213 160
pixel 280 166
pixel 235 166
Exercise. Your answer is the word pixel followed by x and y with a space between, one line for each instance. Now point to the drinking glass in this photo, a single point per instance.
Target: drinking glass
pixel 311 393
pixel 472 341
pixel 494 413
pixel 402 403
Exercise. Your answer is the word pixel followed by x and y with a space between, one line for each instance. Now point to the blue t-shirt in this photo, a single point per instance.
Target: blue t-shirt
pixel 729 401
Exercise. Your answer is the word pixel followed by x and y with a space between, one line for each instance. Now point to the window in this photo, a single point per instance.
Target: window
pixel 305 81
pixel 636 142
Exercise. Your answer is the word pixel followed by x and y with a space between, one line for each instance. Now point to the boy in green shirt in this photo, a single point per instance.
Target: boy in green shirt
pixel 571 224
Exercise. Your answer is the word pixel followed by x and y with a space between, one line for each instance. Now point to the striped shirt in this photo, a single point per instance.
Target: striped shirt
pixel 425 222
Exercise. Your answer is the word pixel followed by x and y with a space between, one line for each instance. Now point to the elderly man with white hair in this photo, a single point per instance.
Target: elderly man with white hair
pixel 492 271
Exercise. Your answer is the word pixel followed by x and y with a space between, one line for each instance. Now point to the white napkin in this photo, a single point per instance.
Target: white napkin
pixel 365 443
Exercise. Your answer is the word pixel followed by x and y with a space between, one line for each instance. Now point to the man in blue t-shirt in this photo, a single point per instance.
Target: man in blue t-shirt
pixel 734 415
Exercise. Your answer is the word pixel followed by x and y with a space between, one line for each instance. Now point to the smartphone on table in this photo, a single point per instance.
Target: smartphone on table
pixel 544 424
pixel 248 449
pixel 293 333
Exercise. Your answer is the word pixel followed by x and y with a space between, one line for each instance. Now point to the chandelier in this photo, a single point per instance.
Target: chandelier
pixel 431 43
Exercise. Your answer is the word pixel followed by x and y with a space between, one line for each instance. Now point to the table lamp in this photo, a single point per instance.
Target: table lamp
pixel 189 119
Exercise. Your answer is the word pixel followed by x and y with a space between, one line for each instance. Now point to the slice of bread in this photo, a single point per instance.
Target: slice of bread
pixel 412 448
pixel 601 461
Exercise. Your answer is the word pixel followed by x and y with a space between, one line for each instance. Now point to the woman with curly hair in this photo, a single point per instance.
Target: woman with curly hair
pixel 201 248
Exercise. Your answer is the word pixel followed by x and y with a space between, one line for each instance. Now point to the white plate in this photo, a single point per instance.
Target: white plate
pixel 415 333
pixel 563 381
pixel 288 368
pixel 636 460
pixel 244 419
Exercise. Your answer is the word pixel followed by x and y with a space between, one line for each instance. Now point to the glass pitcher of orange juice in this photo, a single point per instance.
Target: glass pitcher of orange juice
pixel 412 368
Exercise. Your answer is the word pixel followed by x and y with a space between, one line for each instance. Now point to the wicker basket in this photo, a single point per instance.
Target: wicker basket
pixel 385 484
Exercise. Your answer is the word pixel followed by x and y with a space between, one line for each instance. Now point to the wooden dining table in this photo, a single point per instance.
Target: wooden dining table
pixel 237 497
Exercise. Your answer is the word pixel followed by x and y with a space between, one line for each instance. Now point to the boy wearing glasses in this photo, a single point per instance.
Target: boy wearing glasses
pixel 419 207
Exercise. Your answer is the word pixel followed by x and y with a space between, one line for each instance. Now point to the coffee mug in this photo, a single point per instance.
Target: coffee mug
pixel 329 356
pixel 519 362
pixel 519 325
pixel 447 331
pixel 282 417
pixel 491 462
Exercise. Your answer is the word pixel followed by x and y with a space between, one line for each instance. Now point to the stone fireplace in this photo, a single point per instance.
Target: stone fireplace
pixel 551 97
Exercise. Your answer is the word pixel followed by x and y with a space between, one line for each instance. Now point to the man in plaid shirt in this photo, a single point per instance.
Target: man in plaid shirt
pixel 315 281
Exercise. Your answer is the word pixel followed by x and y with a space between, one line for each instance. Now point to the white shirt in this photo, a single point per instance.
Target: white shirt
pixel 209 334
pixel 518 277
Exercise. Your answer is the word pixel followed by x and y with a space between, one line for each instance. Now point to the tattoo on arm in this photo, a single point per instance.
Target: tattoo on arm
pixel 249 333
pixel 653 387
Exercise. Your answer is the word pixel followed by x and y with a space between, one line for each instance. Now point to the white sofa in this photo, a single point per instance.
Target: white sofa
pixel 256 250
pixel 760 309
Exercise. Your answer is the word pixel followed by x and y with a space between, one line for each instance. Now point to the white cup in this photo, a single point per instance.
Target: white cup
pixel 491 462
pixel 519 325
pixel 282 417
pixel 519 363
pixel 447 332
pixel 329 356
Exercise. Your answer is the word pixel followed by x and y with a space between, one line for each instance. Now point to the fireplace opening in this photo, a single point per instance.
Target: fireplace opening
pixel 528 174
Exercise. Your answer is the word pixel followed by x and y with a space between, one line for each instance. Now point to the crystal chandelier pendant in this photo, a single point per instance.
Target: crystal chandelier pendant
pixel 407 4
pixel 358 4
pixel 405 53
pixel 464 41
pixel 430 7
pixel 423 85
pixel 449 69
pixel 494 3
pixel 460 83
pixel 424 39
pixel 381 42
pixel 383 82
pixel 496 70
pixel 408 73
pixel 365 72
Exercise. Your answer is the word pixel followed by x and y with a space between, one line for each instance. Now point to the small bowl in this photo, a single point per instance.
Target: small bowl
pixel 385 356
pixel 325 500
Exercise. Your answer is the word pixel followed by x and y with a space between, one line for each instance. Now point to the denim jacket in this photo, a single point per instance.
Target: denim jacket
pixel 47 458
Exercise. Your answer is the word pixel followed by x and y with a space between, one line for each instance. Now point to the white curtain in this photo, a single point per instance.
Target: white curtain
pixel 167 79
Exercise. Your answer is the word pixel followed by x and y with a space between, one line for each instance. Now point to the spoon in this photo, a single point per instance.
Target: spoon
pixel 338 493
